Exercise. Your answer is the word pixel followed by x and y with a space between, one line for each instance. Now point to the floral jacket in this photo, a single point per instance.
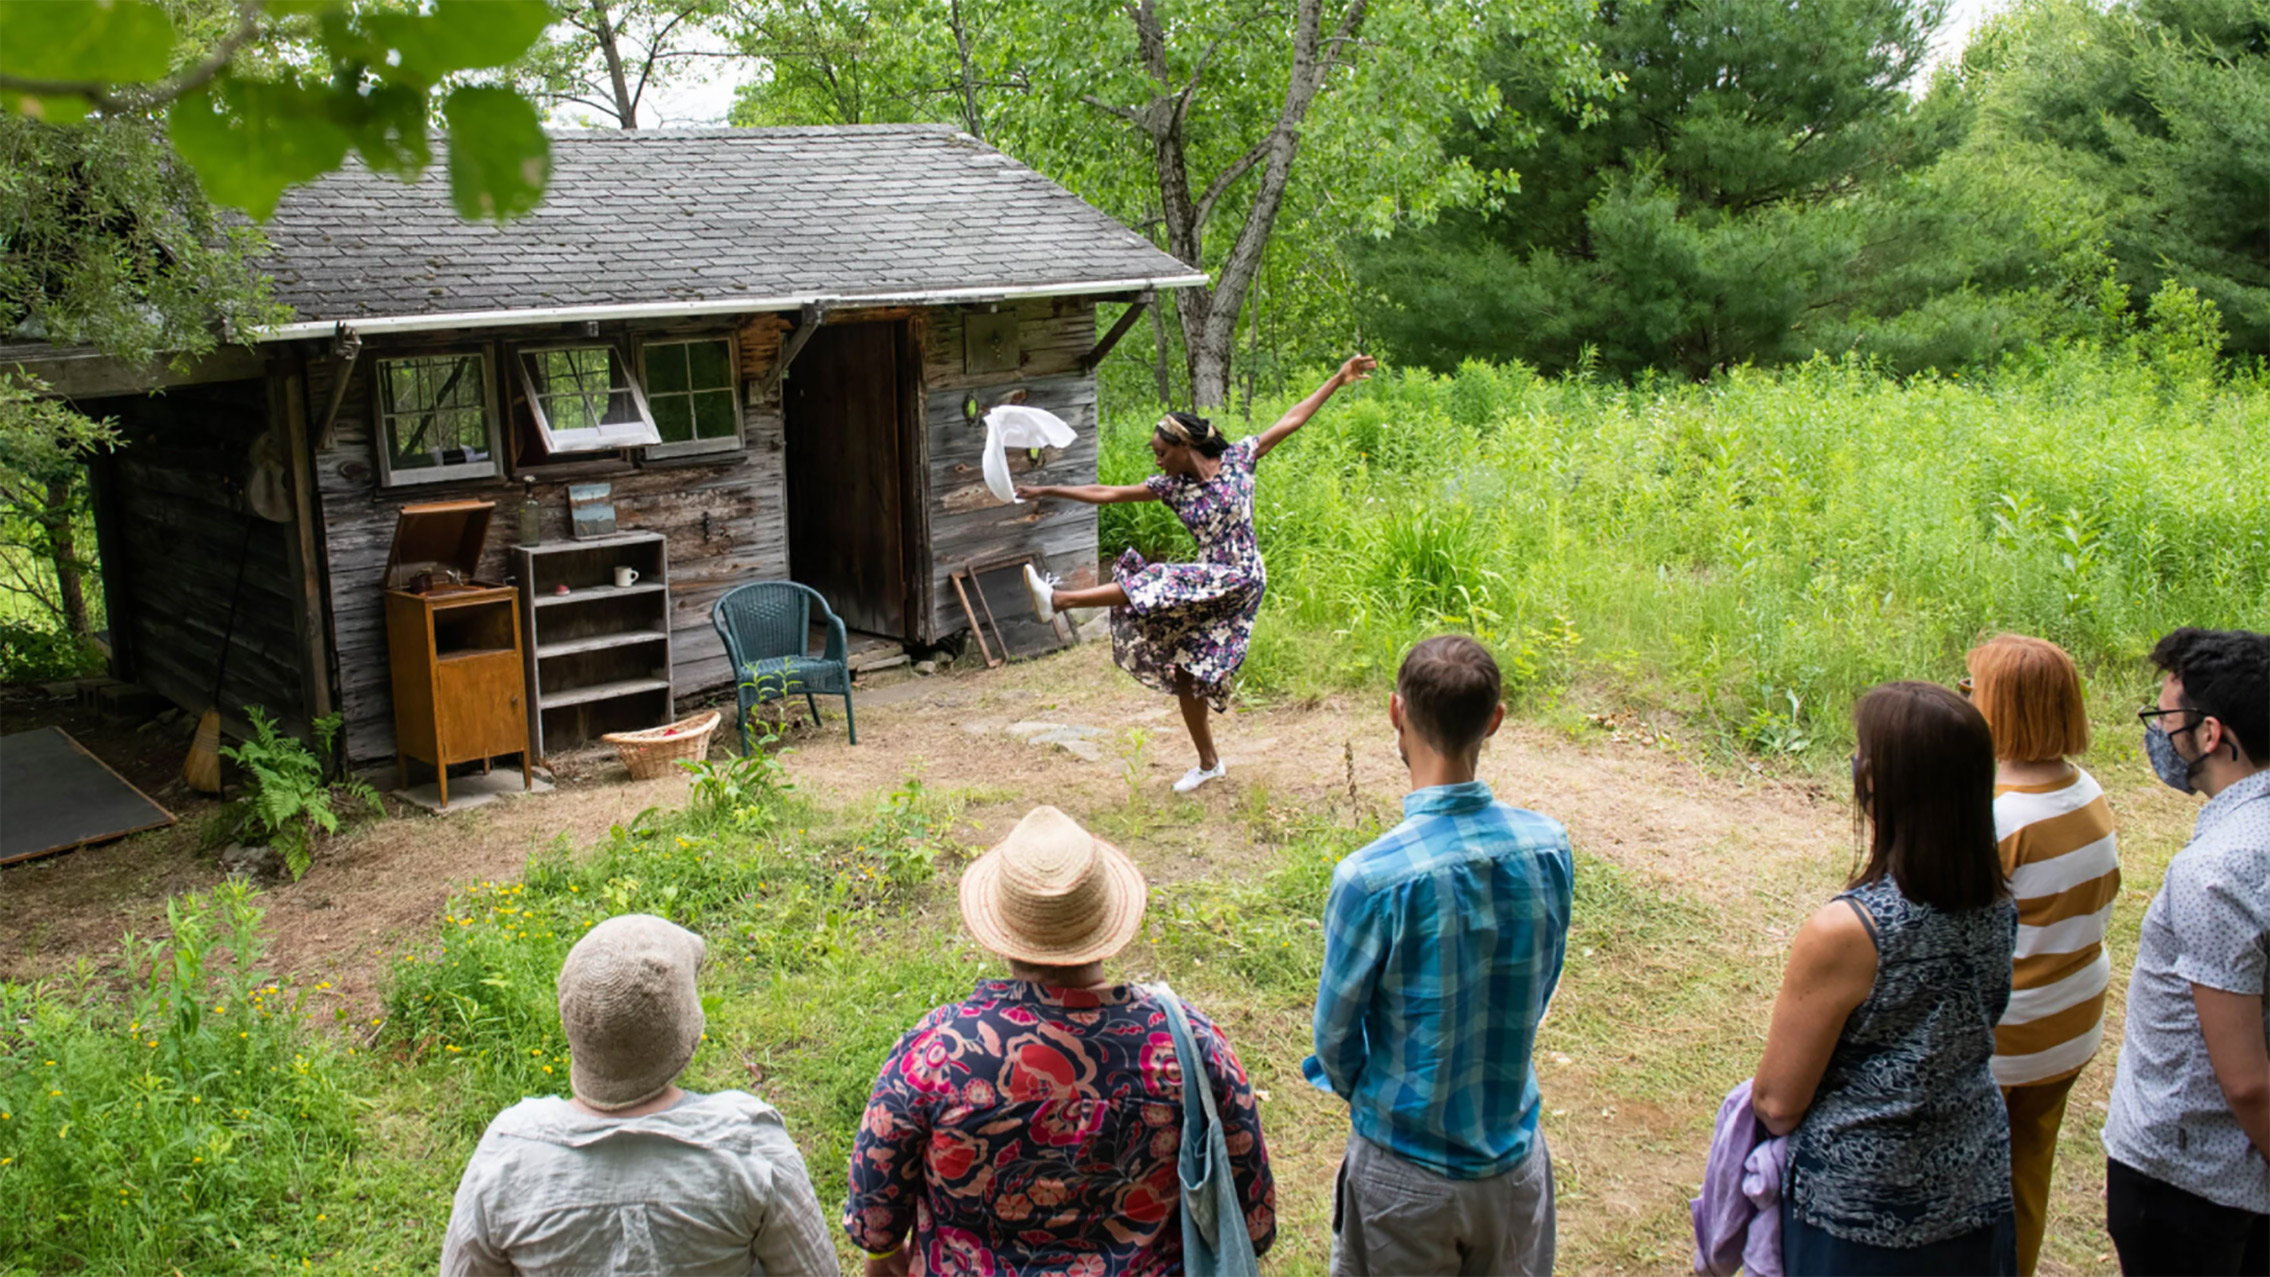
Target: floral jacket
pixel 1031 1130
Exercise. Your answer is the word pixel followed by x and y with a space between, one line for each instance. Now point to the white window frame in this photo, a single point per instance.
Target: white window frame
pixel 383 443
pixel 739 439
pixel 608 438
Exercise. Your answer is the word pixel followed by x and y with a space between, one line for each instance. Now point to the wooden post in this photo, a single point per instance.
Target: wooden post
pixel 287 410
pixel 110 546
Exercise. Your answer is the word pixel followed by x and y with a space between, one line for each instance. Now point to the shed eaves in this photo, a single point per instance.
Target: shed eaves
pixel 704 215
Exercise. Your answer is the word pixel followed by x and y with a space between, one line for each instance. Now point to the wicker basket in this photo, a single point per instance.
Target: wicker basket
pixel 650 753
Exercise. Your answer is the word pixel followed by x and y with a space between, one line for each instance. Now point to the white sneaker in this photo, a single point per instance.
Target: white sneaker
pixel 1197 776
pixel 1043 591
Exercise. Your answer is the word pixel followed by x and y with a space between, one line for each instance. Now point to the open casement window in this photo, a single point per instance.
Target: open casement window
pixel 584 398
pixel 690 387
pixel 434 421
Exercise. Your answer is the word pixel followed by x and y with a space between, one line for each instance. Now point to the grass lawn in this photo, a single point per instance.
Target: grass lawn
pixel 831 927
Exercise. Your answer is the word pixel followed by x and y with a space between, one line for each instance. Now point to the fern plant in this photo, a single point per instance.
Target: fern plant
pixel 289 804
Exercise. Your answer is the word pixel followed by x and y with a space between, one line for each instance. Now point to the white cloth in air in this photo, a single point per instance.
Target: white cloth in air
pixel 1016 426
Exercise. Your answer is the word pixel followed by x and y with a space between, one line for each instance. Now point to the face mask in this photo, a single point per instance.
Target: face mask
pixel 2173 770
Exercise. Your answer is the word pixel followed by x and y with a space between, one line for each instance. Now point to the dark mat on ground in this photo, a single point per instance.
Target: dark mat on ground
pixel 55 796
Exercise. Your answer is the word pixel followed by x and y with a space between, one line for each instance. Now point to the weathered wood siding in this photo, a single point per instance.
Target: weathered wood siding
pixel 966 525
pixel 178 524
pixel 723 513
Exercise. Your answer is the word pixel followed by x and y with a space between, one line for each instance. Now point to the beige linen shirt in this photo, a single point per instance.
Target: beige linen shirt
pixel 712 1184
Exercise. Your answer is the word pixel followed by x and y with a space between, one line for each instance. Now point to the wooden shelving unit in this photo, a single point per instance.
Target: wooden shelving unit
pixel 598 655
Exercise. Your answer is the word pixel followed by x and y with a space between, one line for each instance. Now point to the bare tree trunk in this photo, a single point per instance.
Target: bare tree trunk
pixel 973 120
pixel 1209 315
pixel 63 553
pixel 1160 374
pixel 626 106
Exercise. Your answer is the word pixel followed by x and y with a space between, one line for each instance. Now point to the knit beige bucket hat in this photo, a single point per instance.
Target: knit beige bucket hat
pixel 628 1004
pixel 1052 893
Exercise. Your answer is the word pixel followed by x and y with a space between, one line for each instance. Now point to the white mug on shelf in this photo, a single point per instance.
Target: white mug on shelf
pixel 625 578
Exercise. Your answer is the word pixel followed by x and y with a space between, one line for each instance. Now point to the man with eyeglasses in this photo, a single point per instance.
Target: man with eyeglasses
pixel 2187 1140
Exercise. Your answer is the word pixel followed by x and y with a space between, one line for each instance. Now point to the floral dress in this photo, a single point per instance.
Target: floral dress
pixel 1195 616
pixel 1029 1131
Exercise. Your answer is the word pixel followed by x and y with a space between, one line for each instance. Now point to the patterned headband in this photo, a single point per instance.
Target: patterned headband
pixel 1178 431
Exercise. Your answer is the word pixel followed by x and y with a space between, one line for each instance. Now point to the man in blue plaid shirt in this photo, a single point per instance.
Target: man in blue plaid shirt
pixel 1443 941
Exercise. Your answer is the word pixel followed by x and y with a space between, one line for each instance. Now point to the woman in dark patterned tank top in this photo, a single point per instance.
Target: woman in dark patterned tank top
pixel 1877 1065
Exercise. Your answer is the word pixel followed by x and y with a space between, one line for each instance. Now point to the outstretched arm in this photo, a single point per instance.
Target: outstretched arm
pixel 1092 493
pixel 1351 372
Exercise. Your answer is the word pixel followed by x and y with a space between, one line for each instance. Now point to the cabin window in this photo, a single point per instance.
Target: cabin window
pixel 690 389
pixel 434 422
pixel 584 399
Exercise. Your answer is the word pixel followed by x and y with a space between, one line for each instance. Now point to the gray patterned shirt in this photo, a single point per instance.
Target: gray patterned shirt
pixel 2210 925
pixel 712 1184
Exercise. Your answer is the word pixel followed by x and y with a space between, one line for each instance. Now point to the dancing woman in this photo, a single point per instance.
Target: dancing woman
pixel 1184 627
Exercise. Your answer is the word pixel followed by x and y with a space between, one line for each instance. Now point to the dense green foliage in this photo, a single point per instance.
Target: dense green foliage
pixel 1693 225
pixel 1756 550
pixel 2153 117
pixel 1764 188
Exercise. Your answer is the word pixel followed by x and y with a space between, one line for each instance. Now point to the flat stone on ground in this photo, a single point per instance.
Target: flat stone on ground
pixel 468 792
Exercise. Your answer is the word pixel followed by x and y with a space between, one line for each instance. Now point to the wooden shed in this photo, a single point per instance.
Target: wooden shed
pixel 772 344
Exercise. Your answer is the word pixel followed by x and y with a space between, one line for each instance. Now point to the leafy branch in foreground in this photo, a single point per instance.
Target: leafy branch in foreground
pixel 333 76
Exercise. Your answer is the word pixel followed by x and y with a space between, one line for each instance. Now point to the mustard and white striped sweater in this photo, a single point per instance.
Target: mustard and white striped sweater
pixel 2063 862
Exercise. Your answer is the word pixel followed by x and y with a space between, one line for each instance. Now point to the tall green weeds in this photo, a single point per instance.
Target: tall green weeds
pixel 171 1110
pixel 1756 551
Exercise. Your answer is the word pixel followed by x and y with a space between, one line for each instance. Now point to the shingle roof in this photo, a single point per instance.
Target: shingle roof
pixel 704 214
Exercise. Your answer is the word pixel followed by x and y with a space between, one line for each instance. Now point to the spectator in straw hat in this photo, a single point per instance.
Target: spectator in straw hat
pixel 1034 1125
pixel 634 1174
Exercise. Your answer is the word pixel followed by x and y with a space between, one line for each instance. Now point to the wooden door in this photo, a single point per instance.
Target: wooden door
pixel 847 450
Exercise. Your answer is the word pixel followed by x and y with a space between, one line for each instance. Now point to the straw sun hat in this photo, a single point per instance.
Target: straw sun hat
pixel 628 1003
pixel 1053 894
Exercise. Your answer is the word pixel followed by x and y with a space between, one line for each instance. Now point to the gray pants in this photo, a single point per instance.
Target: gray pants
pixel 1393 1218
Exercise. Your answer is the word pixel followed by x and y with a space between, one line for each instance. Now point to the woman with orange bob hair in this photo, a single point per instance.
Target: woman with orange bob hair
pixel 2063 863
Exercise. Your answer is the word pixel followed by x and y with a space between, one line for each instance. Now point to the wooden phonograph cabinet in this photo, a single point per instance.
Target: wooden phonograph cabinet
pixel 453 644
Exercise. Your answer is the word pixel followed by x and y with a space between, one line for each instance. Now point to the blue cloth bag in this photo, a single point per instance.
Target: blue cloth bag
pixel 1214 1240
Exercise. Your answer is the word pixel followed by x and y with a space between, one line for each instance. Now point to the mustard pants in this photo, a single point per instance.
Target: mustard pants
pixel 2036 1112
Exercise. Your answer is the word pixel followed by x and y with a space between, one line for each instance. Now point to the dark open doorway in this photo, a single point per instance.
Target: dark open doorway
pixel 850 454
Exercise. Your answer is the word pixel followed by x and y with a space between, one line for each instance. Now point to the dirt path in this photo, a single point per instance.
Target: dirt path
pixel 1627 1123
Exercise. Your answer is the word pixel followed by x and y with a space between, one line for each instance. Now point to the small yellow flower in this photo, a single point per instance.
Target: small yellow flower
pixel 5 1160
pixel 547 1068
pixel 196 1099
pixel 55 1092
pixel 196 1160
pixel 324 985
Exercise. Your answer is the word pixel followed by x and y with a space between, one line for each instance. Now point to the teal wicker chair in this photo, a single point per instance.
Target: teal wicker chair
pixel 767 628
